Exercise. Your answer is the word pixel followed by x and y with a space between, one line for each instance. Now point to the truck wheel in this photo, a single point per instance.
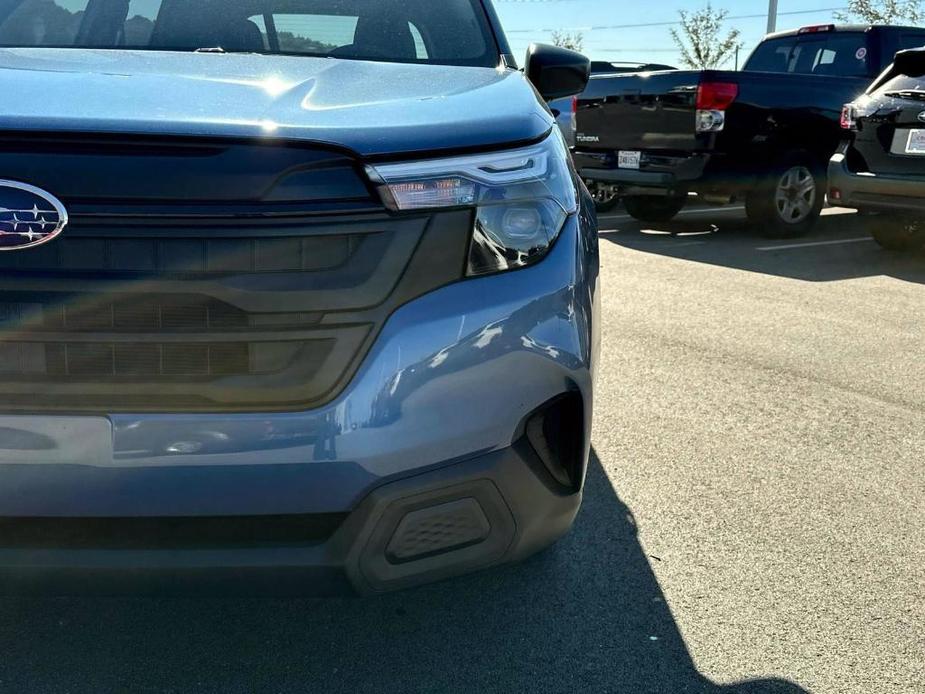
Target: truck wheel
pixel 788 202
pixel 654 209
pixel 605 196
pixel 897 233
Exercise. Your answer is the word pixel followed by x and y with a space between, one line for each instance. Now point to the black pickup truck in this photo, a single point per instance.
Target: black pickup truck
pixel 763 134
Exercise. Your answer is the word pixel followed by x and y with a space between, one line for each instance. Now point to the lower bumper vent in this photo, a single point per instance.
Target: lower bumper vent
pixel 437 530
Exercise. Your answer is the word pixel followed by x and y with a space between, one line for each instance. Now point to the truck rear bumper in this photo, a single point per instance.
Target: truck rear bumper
pixel 631 178
pixel 874 192
pixel 660 173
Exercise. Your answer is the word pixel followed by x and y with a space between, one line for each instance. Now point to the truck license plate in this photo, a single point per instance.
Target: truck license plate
pixel 916 142
pixel 631 160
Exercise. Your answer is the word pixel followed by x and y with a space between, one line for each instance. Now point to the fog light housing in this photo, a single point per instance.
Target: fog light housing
pixel 556 432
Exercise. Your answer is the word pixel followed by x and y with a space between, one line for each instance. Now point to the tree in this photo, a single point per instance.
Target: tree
pixel 701 38
pixel 882 11
pixel 564 39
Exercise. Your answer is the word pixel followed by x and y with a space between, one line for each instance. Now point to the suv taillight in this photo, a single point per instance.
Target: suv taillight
pixel 849 117
pixel 713 98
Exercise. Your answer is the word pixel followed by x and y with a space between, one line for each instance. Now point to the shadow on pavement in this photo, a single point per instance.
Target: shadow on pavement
pixel 727 239
pixel 587 615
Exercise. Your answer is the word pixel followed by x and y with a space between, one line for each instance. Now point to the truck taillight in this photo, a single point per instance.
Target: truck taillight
pixel 713 98
pixel 574 105
pixel 849 117
pixel 716 96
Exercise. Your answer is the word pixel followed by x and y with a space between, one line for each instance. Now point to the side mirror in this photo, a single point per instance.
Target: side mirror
pixel 557 72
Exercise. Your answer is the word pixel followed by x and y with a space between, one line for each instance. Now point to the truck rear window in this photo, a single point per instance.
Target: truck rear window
pixel 449 32
pixel 842 54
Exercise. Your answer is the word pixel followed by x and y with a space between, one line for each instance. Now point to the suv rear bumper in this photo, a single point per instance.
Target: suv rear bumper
pixel 437 416
pixel 874 192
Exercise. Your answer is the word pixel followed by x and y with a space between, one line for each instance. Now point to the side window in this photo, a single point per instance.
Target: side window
pixel 42 23
pixel 261 23
pixel 420 48
pixel 772 56
pixel 806 55
pixel 139 22
pixel 823 58
pixel 48 23
pixel 308 33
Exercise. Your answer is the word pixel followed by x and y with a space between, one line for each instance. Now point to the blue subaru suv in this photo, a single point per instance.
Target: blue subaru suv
pixel 299 293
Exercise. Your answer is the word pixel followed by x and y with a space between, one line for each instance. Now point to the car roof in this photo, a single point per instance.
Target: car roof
pixel 850 28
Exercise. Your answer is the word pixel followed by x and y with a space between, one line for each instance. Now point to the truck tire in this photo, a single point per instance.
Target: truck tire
pixel 787 202
pixel 654 209
pixel 898 233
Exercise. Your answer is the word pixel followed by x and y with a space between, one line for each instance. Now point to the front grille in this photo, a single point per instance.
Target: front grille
pixel 63 318
pixel 82 313
pixel 70 361
pixel 259 292
pixel 123 253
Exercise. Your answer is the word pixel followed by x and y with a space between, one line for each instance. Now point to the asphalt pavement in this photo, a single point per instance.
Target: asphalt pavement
pixel 754 519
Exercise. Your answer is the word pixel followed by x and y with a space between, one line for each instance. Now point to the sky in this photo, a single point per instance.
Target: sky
pixel 606 36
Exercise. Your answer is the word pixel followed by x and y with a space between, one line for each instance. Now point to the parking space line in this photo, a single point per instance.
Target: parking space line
pixel 813 244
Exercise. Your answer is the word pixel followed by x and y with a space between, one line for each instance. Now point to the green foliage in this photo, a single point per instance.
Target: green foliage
pixel 882 11
pixel 702 41
pixel 293 43
pixel 573 41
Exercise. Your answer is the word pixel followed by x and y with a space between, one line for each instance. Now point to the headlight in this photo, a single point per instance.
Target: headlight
pixel 522 198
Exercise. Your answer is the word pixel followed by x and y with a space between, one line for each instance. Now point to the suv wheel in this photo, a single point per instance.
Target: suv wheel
pixel 604 195
pixel 789 201
pixel 654 209
pixel 897 233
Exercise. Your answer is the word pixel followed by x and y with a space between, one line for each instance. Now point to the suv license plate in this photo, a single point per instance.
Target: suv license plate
pixel 632 160
pixel 916 142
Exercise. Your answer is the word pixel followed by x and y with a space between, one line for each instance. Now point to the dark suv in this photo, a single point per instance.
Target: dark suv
pixel 300 292
pixel 881 166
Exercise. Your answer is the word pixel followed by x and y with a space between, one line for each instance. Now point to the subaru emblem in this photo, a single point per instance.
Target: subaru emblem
pixel 29 216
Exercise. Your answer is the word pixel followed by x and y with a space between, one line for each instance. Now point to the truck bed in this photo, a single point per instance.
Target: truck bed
pixel 657 111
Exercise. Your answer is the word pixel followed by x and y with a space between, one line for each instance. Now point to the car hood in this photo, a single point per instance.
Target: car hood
pixel 371 108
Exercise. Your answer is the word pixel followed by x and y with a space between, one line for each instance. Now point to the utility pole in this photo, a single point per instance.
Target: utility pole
pixel 772 16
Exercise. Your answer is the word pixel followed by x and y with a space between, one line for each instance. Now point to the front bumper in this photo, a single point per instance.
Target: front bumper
pixel 436 416
pixel 874 192
pixel 495 508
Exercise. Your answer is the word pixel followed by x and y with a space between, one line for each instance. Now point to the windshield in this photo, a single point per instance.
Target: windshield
pixel 449 32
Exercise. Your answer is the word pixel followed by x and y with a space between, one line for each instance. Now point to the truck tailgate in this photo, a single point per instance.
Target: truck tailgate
pixel 643 111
